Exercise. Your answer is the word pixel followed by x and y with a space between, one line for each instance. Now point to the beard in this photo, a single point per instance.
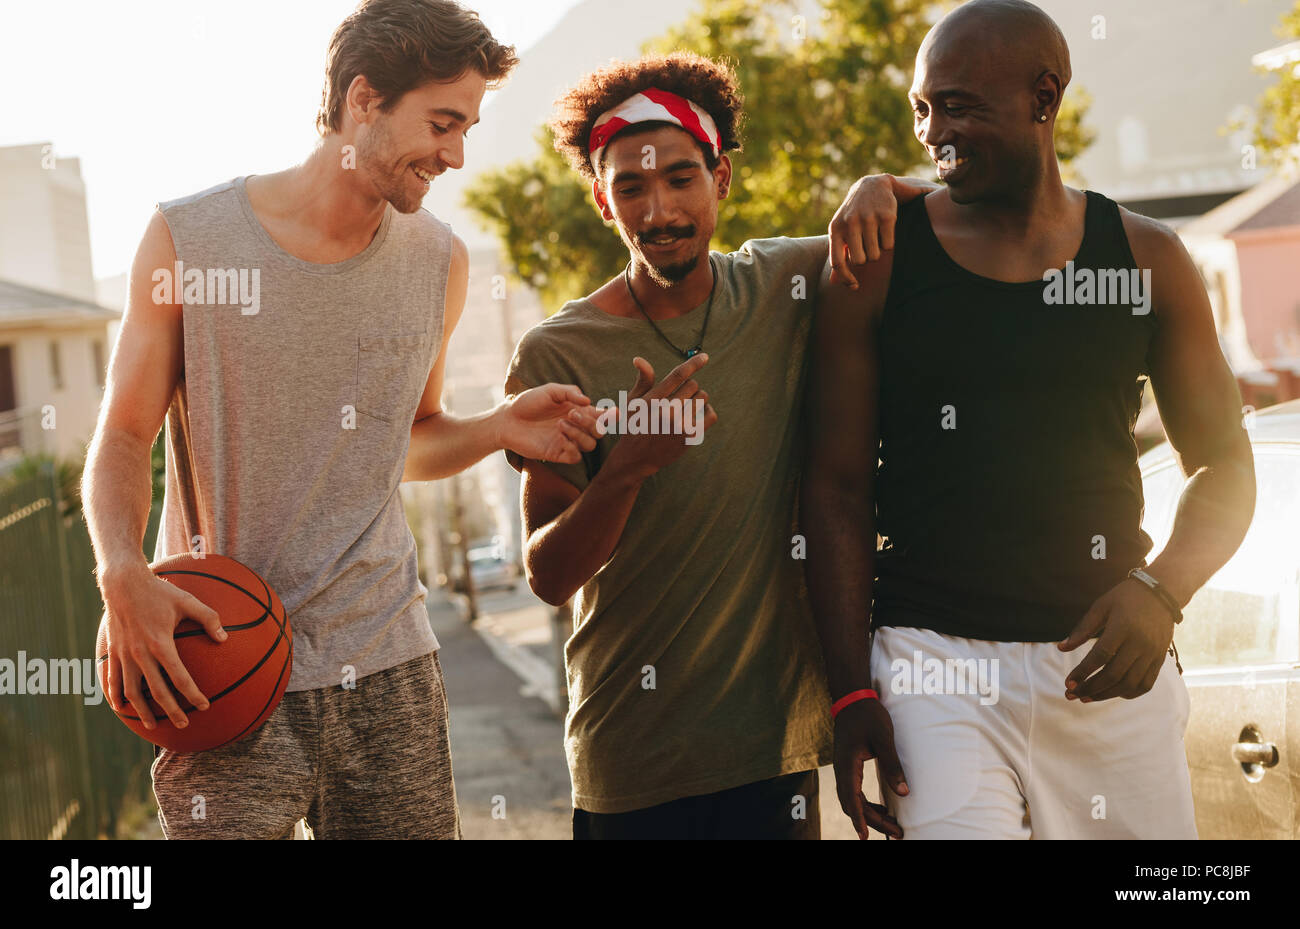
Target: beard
pixel 670 274
pixel 376 158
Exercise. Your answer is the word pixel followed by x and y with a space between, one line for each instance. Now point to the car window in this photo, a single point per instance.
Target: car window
pixel 1249 612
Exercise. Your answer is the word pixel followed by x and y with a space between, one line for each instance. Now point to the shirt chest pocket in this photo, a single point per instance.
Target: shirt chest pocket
pixel 391 371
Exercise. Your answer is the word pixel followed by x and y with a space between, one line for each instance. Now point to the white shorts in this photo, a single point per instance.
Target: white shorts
pixel 991 749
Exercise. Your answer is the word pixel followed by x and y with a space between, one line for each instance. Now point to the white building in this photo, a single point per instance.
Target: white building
pixel 55 340
pixel 53 357
pixel 44 234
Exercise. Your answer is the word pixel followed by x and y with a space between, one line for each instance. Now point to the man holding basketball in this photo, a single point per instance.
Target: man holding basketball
pixel 1007 490
pixel 698 705
pixel 291 420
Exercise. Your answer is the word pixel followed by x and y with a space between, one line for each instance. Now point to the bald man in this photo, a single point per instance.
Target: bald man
pixel 1020 680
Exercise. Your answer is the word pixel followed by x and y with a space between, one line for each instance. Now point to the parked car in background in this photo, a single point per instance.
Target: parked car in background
pixel 1239 644
pixel 490 569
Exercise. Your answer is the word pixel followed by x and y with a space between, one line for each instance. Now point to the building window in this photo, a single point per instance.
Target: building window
pixel 56 365
pixel 97 347
pixel 8 396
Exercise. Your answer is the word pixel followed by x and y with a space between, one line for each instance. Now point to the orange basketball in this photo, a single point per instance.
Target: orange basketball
pixel 243 677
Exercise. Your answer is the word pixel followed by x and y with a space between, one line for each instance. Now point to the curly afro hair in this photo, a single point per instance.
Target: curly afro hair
pixel 709 84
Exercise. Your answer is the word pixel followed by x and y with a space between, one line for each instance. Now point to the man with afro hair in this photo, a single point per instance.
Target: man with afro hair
pixel 698 699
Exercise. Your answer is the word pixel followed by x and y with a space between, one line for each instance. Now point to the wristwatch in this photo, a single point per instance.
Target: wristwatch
pixel 1158 589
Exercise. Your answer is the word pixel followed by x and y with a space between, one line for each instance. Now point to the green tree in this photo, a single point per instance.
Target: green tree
pixel 66 473
pixel 1277 133
pixel 848 72
pixel 546 220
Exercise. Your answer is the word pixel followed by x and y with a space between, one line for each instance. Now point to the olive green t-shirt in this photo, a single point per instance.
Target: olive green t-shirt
pixel 694 664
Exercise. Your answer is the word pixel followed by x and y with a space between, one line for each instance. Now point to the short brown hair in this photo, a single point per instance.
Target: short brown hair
pixel 709 84
pixel 403 44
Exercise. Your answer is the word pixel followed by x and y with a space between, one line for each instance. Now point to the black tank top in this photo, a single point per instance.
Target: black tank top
pixel 1008 489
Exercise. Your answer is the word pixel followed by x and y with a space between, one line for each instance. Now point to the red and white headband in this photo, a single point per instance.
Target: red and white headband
pixel 652 105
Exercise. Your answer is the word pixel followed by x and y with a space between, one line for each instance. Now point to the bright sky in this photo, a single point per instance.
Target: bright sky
pixel 160 98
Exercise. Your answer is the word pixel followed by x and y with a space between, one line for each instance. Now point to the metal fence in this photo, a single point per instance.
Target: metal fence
pixel 21 434
pixel 67 769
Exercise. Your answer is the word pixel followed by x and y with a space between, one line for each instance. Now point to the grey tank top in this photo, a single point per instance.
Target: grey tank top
pixel 288 431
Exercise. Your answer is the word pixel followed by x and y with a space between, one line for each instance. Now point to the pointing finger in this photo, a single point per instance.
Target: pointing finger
pixel 645 377
pixel 683 372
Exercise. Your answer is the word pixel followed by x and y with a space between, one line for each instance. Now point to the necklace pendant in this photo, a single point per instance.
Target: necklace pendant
pixel 691 353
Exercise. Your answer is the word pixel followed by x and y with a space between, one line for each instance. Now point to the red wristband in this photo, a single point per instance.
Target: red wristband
pixel 854 697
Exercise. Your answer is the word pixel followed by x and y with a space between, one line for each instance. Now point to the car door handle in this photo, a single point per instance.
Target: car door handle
pixel 1260 753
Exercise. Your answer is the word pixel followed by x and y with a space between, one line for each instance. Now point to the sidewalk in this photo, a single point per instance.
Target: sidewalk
pixel 507 746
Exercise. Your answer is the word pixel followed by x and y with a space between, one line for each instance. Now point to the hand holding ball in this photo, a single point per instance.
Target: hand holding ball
pixel 243 677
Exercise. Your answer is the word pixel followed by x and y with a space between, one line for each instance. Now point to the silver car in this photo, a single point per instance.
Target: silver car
pixel 1240 644
pixel 489 568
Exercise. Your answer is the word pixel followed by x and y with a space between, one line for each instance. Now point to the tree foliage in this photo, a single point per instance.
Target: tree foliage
pixel 545 218
pixel 1278 131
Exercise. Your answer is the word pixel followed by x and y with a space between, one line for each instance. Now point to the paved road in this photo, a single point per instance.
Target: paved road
pixel 506 748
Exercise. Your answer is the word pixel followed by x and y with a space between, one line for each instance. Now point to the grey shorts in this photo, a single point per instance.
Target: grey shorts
pixel 372 762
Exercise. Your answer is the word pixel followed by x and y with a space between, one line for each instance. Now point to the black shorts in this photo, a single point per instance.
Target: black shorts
pixel 782 807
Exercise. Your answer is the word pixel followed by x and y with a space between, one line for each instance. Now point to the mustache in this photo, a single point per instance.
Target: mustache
pixel 677 232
